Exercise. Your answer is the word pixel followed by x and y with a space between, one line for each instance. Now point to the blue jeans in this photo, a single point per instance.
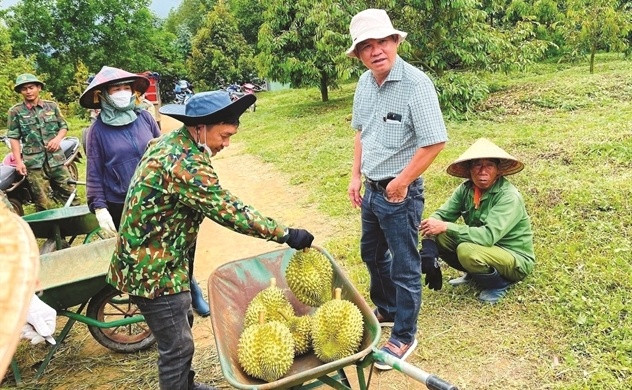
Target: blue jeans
pixel 168 317
pixel 389 247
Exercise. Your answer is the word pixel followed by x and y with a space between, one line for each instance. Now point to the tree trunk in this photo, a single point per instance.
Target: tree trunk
pixel 324 93
pixel 592 58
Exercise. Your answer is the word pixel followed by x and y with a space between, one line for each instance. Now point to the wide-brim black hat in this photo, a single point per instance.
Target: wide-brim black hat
pixel 208 107
pixel 109 76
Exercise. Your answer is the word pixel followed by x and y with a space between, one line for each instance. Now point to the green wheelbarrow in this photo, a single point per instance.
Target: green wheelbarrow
pixel 61 226
pixel 232 286
pixel 72 280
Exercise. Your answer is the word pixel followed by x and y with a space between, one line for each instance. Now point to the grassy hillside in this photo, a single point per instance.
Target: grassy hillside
pixel 568 325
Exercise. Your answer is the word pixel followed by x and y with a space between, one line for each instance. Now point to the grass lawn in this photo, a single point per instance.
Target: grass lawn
pixel 566 326
pixel 569 324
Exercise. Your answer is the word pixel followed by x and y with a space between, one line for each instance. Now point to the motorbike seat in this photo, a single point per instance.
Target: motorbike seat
pixel 8 176
pixel 9 160
pixel 69 145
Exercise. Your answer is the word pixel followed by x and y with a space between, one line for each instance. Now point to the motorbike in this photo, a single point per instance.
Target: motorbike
pixel 250 88
pixel 15 185
pixel 183 92
pixel 236 91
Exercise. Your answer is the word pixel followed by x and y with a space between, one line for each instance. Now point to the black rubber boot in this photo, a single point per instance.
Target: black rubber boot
pixel 196 385
pixel 493 286
pixel 197 300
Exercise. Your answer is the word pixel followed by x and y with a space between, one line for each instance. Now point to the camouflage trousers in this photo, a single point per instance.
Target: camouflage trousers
pixel 43 180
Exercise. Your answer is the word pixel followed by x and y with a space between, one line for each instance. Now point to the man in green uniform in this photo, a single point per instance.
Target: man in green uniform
pixel 41 127
pixel 173 189
pixel 495 245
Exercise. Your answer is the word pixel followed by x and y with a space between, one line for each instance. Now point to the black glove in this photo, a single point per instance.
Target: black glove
pixel 430 264
pixel 299 238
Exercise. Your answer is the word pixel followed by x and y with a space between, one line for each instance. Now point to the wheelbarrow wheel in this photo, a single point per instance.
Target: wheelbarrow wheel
pixel 17 206
pixel 74 171
pixel 110 305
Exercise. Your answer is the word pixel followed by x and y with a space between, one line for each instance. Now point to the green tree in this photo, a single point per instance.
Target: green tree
pixel 190 13
pixel 10 67
pixel 80 82
pixel 598 25
pixel 249 15
pixel 60 34
pixel 455 35
pixel 303 43
pixel 219 52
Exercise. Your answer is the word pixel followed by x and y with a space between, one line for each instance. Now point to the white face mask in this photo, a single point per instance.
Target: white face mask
pixel 121 98
pixel 203 145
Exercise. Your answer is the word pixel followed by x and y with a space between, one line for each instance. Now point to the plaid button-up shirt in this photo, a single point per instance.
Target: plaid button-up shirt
pixel 396 119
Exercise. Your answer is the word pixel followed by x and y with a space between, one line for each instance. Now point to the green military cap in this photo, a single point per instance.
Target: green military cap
pixel 26 78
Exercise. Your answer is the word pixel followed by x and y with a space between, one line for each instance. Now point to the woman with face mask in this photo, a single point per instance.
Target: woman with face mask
pixel 116 140
pixel 115 143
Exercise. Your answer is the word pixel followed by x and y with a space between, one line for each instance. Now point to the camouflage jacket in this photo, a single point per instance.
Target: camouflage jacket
pixel 173 189
pixel 35 126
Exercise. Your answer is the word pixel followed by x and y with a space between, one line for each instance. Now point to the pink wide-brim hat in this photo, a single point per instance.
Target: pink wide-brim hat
pixel 371 24
pixel 109 75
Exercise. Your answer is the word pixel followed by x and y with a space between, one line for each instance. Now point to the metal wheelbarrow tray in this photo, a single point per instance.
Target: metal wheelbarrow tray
pixel 76 277
pixel 56 225
pixel 66 221
pixel 232 286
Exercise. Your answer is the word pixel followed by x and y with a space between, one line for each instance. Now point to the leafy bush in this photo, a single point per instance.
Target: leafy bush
pixel 459 93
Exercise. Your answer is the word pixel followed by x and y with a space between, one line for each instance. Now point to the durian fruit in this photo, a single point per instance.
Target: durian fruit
pixel 273 302
pixel 301 329
pixel 337 329
pixel 310 277
pixel 266 350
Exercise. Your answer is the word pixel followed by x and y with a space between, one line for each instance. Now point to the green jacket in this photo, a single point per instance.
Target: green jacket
pixel 173 189
pixel 35 126
pixel 500 220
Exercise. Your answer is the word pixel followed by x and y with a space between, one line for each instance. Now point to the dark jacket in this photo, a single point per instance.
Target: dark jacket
pixel 113 154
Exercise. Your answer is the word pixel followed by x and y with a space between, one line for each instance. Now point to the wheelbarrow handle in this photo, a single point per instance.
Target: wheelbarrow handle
pixel 431 381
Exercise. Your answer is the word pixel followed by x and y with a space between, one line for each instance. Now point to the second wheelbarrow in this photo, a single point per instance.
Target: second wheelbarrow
pixel 62 225
pixel 74 278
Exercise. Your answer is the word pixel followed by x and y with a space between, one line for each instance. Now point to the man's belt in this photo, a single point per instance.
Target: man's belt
pixel 378 185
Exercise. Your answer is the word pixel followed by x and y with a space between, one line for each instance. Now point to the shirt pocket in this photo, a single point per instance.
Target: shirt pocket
pixel 393 135
pixel 51 125
pixel 28 150
pixel 28 126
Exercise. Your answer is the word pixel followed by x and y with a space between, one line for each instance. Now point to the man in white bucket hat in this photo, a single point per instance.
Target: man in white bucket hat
pixel 399 132
pixel 495 245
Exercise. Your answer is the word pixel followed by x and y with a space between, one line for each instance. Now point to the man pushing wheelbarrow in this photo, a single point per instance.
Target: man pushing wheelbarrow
pixel 173 189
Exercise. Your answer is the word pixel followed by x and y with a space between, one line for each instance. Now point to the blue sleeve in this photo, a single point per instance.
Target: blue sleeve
pixel 94 170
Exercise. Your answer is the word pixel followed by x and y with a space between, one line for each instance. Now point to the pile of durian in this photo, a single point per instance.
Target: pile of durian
pixel 274 335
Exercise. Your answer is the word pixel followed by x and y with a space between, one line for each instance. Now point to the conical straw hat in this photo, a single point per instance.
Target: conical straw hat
pixel 484 148
pixel 18 277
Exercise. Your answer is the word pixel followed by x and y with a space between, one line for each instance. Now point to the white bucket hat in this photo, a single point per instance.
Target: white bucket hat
pixel 371 24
